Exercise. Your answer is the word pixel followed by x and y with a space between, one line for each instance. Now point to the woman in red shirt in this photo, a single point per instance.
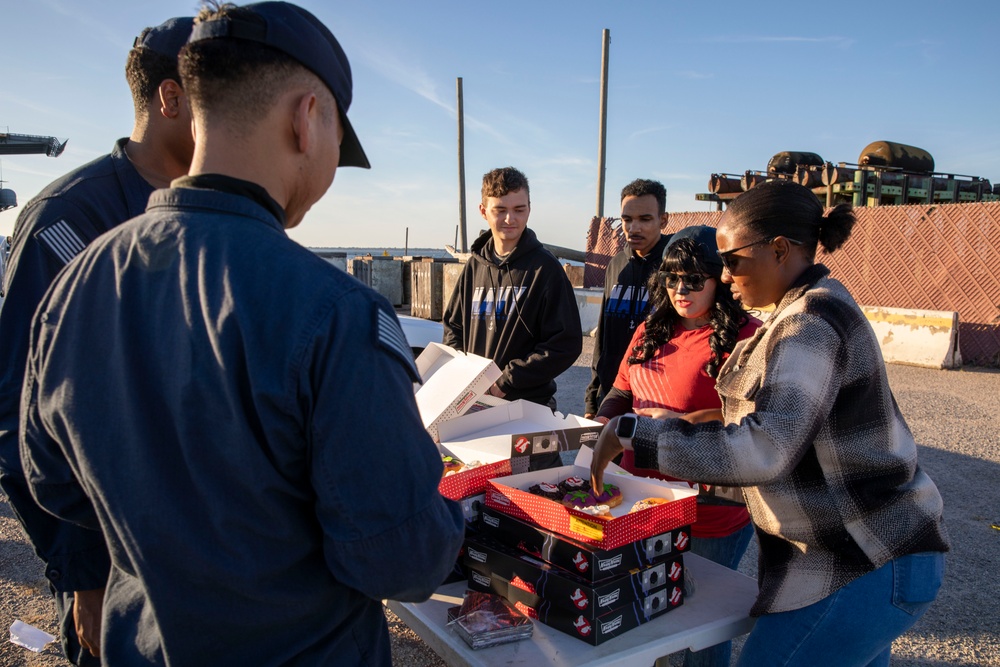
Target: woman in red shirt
pixel 670 369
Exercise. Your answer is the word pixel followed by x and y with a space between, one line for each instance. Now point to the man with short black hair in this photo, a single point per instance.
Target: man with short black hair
pixel 258 505
pixel 50 231
pixel 626 295
pixel 513 302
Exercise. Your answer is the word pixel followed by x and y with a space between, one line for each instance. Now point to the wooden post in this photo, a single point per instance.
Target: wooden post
pixel 461 167
pixel 602 142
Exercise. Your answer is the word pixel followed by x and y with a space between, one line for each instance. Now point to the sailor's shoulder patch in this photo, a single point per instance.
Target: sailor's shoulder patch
pixel 389 336
pixel 62 240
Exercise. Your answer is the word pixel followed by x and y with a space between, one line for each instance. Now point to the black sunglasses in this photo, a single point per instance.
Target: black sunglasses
pixel 730 263
pixel 694 282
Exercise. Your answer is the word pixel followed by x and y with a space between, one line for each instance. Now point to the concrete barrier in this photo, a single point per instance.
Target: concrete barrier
pixel 338 259
pixel 926 338
pixel 588 300
pixel 387 278
pixel 449 280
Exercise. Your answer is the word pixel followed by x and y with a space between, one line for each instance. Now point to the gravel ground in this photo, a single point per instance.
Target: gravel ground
pixel 955 416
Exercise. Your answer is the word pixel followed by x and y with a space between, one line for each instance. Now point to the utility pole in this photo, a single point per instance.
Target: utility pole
pixel 602 142
pixel 461 167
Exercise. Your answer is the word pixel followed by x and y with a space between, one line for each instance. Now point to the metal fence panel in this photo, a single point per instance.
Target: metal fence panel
pixel 933 257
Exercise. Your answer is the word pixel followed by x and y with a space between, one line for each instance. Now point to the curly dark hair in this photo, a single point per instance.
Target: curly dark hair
pixel 644 186
pixel 504 180
pixel 726 317
pixel 145 70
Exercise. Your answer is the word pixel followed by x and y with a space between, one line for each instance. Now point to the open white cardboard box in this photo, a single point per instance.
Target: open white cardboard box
pixel 516 430
pixel 512 437
pixel 452 382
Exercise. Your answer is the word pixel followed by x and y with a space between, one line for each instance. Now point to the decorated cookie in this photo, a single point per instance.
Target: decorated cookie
pixel 646 503
pixel 612 497
pixel 546 490
pixel 451 465
pixel 571 484
pixel 598 511
pixel 470 465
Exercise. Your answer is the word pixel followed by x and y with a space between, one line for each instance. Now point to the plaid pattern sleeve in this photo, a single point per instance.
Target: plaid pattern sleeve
pixel 813 434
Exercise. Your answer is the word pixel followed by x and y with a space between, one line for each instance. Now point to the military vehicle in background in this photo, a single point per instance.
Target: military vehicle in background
pixel 886 173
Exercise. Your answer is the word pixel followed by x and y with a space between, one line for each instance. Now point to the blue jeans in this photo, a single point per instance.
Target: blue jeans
pixel 855 625
pixel 726 551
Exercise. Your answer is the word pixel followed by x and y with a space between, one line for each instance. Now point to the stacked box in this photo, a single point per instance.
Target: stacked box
pixel 590 577
pixel 592 611
pixel 607 626
pixel 582 559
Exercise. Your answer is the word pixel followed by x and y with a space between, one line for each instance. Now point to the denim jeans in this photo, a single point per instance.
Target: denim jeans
pixel 726 551
pixel 855 625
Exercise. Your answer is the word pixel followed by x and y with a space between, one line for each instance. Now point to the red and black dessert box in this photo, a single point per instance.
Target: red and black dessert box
pixel 510 496
pixel 472 482
pixel 582 559
pixel 607 626
pixel 493 566
pixel 591 614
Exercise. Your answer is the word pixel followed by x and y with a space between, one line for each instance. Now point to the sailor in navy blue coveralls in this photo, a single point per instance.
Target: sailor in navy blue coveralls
pixel 52 229
pixel 235 415
pixel 278 461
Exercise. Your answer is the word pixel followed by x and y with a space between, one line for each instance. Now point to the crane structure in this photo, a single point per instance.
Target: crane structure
pixel 25 144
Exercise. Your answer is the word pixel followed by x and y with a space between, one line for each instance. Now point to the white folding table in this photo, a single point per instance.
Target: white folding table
pixel 718 610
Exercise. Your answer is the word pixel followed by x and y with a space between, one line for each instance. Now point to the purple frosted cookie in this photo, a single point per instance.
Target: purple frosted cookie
pixel 571 484
pixel 612 497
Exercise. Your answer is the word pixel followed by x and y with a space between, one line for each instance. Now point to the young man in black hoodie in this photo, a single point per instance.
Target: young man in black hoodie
pixel 626 298
pixel 513 302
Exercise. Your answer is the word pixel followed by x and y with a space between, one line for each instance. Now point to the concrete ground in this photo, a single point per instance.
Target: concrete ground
pixel 955 416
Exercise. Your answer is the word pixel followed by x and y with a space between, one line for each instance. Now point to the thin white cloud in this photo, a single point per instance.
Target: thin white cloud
pixel 677 176
pixel 81 15
pixel 10 167
pixel 414 78
pixel 695 75
pixel 648 130
pixel 410 140
pixel 566 161
pixel 835 40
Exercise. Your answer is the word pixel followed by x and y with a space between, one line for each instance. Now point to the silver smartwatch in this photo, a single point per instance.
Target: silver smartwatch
pixel 626 429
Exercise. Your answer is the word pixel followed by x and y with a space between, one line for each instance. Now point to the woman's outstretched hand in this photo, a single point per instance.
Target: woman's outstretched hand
pixel 607 448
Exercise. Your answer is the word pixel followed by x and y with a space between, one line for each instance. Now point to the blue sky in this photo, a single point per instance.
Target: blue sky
pixel 695 88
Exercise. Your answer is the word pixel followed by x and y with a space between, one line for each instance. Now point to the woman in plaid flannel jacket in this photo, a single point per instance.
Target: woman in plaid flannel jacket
pixel 850 526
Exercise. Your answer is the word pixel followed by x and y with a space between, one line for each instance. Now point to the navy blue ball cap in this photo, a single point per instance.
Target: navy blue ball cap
pixel 166 38
pixel 300 35
pixel 704 236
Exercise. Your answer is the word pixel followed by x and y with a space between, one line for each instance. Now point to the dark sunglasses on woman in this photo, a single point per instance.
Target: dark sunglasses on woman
pixel 694 282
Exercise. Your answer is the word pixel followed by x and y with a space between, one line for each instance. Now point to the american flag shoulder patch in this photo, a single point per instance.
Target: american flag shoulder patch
pixel 389 336
pixel 62 240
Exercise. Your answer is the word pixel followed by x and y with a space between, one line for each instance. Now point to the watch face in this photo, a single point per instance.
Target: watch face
pixel 626 427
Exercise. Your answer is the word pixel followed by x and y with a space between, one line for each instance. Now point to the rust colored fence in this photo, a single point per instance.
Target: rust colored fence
pixel 932 257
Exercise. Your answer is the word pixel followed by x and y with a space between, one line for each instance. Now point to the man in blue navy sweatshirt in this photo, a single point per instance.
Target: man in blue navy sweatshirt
pixel 626 296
